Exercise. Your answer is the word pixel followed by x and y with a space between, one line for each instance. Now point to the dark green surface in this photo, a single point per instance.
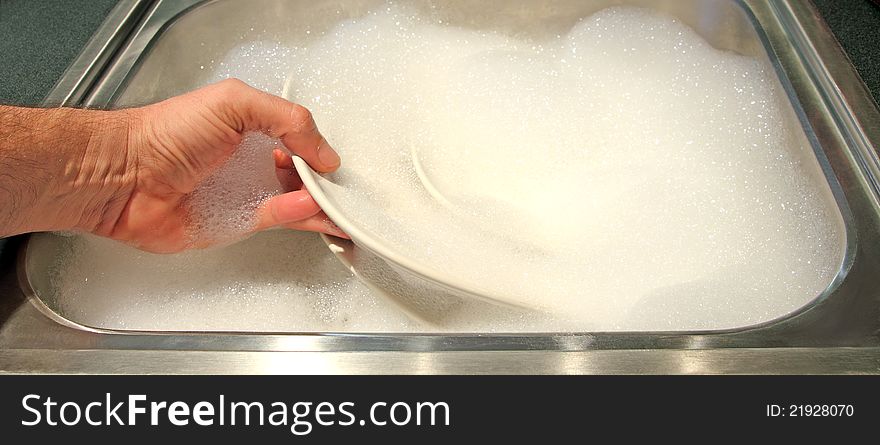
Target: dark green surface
pixel 856 24
pixel 38 39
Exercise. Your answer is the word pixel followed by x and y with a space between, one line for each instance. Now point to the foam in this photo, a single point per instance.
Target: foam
pixel 223 207
pixel 276 281
pixel 621 171
pixel 591 172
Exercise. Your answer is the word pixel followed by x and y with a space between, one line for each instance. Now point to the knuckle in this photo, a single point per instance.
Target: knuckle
pixel 302 118
pixel 233 83
pixel 228 100
pixel 231 87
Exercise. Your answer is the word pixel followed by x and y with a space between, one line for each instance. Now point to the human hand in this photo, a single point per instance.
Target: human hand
pixel 173 145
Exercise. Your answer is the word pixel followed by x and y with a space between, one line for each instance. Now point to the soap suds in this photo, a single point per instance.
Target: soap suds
pixel 605 173
pixel 223 207
pixel 621 172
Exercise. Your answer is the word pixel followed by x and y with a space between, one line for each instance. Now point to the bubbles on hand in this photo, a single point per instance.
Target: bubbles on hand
pixel 223 207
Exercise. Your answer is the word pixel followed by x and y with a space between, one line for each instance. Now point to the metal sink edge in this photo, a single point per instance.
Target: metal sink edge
pixel 32 342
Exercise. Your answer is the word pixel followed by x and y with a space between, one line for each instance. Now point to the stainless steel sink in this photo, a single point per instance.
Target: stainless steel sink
pixel 147 51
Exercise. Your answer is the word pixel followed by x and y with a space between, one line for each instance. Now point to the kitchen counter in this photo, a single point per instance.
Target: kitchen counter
pixel 39 39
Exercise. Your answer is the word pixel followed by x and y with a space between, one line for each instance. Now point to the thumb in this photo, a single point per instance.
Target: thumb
pixel 286 209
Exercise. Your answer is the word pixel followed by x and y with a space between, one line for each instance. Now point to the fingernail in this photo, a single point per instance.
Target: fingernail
pixel 327 155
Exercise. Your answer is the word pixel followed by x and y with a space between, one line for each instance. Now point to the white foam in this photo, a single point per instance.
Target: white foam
pixel 595 172
pixel 281 281
pixel 623 170
pixel 223 207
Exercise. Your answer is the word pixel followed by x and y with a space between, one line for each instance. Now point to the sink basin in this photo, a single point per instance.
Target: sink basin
pixel 176 46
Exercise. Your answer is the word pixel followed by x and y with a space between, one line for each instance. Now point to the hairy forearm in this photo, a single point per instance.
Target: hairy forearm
pixel 62 168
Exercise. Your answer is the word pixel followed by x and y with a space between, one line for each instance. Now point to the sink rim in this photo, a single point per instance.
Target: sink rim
pixel 847 263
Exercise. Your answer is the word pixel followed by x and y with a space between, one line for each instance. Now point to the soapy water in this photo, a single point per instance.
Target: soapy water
pixel 624 173
pixel 289 282
pixel 223 207
pixel 276 281
pixel 592 173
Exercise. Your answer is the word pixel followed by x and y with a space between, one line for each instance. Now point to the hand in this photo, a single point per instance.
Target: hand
pixel 173 145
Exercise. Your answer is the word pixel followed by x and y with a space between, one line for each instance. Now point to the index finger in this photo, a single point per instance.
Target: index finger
pixel 290 122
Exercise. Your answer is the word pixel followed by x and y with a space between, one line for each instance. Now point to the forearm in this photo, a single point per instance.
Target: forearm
pixel 62 168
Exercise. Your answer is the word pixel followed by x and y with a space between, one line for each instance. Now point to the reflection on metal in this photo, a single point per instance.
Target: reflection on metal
pixel 80 76
pixel 719 361
pixel 838 334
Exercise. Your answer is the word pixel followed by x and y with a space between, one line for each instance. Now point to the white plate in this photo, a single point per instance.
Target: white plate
pixel 409 275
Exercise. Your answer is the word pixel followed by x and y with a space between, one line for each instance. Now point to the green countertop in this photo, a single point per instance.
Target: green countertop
pixel 856 24
pixel 39 38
